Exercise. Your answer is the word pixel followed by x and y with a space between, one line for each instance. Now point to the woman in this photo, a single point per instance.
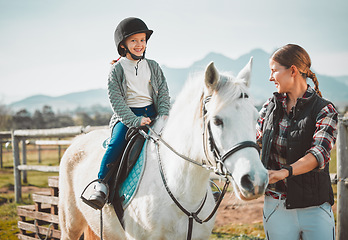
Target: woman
pixel 297 130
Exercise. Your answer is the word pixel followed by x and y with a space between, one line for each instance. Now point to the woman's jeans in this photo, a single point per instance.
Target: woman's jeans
pixel 118 143
pixel 312 223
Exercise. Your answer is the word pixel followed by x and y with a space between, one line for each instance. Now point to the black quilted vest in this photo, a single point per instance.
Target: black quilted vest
pixel 312 188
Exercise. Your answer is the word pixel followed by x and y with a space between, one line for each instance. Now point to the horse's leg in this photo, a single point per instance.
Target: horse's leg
pixel 88 234
pixel 71 220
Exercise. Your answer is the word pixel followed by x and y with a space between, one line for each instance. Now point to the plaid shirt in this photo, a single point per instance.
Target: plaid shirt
pixel 323 139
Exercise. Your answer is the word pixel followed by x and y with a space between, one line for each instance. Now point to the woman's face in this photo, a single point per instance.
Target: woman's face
pixel 281 76
pixel 136 44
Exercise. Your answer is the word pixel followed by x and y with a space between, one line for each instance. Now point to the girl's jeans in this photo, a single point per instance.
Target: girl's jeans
pixel 118 143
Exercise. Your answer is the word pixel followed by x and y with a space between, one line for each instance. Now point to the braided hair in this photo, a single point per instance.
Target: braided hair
pixel 292 54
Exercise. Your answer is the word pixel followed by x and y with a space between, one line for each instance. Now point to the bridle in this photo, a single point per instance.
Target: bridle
pixel 218 159
pixel 209 138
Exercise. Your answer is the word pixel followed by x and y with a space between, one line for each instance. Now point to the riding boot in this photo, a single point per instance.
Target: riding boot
pixel 98 198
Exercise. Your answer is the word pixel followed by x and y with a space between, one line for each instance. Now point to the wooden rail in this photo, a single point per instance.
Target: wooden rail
pixel 4 138
pixel 41 219
pixel 342 179
pixel 21 136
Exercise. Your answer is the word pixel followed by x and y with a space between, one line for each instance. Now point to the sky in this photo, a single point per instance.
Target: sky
pixel 59 46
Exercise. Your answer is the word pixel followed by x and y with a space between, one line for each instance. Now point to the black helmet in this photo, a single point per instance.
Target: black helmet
pixel 128 27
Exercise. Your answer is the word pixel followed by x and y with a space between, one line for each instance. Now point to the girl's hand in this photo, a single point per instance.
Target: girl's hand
pixel 144 121
pixel 277 175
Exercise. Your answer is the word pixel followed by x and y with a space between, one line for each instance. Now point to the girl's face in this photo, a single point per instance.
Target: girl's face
pixel 136 44
pixel 281 76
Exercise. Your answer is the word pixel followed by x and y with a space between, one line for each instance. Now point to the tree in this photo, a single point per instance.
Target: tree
pixel 5 118
pixel 101 119
pixel 83 119
pixel 38 120
pixel 22 120
pixel 64 121
pixel 48 117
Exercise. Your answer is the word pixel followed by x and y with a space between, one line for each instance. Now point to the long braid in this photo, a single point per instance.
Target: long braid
pixel 114 61
pixel 312 76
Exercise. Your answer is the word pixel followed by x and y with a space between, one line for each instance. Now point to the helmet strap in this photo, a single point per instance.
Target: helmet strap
pixel 135 57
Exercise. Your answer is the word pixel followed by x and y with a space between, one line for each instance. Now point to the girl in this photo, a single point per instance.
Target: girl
pixel 297 129
pixel 137 92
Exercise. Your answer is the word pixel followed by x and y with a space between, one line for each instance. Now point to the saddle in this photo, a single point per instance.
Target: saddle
pixel 122 167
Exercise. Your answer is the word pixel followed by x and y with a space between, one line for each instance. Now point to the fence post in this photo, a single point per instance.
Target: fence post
pixel 39 153
pixel 24 160
pixel 342 177
pixel 16 171
pixel 1 154
pixel 59 151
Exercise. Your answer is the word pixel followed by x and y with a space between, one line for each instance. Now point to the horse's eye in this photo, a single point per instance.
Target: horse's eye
pixel 218 121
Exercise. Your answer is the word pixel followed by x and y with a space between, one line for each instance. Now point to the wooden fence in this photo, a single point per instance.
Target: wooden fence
pixel 22 136
pixel 5 137
pixel 41 219
pixel 342 179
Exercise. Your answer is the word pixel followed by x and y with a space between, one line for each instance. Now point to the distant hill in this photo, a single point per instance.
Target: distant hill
pixel 333 88
pixel 67 102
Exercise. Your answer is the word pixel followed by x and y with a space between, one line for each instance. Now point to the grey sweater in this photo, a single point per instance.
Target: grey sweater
pixel 117 91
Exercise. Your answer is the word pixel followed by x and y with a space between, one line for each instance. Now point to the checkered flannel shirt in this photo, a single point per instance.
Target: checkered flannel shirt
pixel 323 139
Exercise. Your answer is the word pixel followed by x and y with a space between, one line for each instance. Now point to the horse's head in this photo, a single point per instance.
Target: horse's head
pixel 229 118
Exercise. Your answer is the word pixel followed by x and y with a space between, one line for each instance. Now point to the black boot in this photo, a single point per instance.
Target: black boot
pixel 98 199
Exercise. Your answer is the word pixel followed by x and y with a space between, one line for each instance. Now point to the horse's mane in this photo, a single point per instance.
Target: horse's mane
pixel 186 112
pixel 227 91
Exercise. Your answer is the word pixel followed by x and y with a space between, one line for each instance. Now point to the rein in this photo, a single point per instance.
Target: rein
pixel 191 215
pixel 218 158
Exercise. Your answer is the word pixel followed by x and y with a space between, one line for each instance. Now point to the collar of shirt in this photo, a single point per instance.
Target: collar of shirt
pixel 281 97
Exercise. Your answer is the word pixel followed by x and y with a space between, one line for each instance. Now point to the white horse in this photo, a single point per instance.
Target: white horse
pixel 216 105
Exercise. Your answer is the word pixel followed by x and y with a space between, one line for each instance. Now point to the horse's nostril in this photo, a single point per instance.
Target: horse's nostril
pixel 247 183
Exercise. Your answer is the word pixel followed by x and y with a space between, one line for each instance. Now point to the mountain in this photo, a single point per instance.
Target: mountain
pixel 333 88
pixel 67 102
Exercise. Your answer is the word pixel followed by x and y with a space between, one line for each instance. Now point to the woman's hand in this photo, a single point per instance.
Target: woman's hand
pixel 145 121
pixel 277 175
pixel 301 166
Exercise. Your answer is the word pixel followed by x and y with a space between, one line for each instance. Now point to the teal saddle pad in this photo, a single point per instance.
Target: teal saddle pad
pixel 130 186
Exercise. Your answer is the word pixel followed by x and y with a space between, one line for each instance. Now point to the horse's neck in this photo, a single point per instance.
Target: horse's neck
pixel 184 178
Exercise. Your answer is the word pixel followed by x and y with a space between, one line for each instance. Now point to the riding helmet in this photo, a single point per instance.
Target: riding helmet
pixel 128 27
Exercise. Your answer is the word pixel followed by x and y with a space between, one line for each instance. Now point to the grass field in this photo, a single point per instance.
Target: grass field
pixel 8 209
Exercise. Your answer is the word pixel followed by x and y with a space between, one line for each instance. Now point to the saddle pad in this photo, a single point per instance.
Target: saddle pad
pixel 130 186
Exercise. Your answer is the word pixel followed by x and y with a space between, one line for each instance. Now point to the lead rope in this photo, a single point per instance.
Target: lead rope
pixel 38 232
pixel 101 224
pixel 158 138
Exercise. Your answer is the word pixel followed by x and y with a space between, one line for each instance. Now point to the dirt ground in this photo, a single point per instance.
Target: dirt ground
pixel 235 211
pixel 231 210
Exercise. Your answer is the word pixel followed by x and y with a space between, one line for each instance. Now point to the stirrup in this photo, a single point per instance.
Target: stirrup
pixel 97 200
pixel 92 202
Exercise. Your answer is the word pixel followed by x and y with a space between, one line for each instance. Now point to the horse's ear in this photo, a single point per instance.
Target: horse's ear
pixel 245 73
pixel 211 78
